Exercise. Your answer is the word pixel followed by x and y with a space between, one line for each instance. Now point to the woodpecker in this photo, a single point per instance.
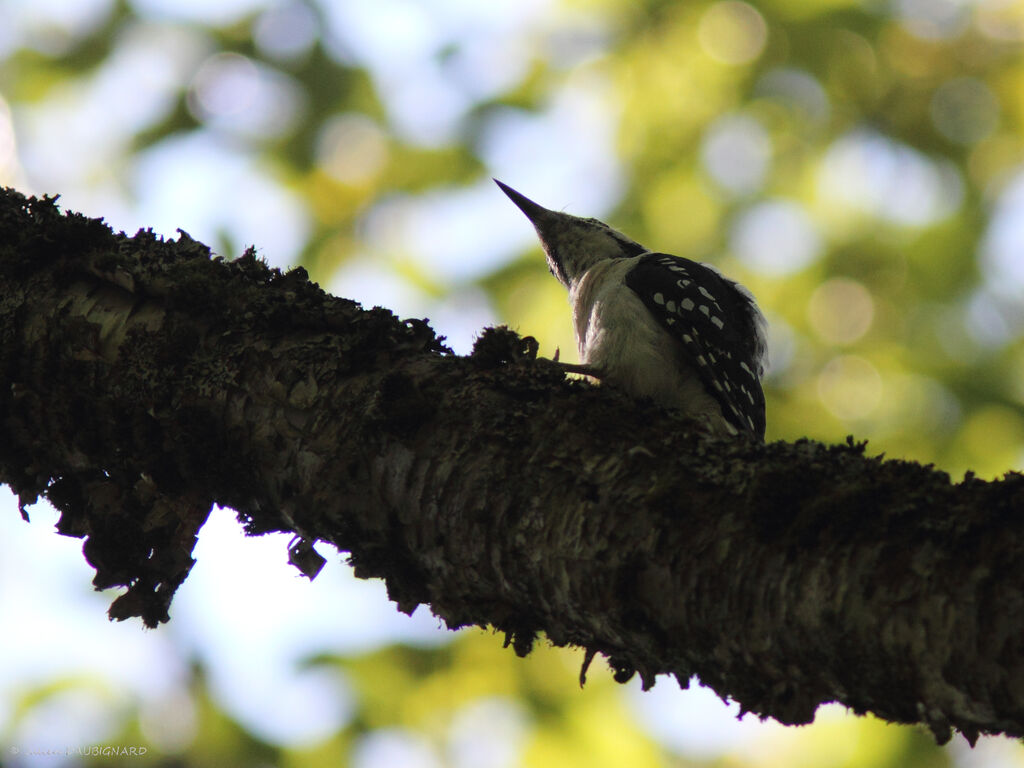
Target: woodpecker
pixel 656 325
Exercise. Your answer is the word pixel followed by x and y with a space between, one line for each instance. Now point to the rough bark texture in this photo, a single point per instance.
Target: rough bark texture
pixel 141 381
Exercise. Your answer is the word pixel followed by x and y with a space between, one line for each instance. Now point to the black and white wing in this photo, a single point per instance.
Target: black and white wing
pixel 718 327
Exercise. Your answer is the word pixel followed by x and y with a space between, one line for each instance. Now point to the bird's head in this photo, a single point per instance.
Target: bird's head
pixel 572 244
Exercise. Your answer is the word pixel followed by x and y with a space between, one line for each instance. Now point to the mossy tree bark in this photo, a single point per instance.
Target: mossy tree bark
pixel 142 381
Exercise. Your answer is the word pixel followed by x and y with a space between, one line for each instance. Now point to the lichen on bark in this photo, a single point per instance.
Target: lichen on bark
pixel 143 380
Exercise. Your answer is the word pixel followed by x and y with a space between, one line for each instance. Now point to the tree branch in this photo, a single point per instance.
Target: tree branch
pixel 142 381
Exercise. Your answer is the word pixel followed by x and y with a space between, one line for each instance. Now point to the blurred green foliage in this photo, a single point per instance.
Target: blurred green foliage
pixel 853 163
pixel 472 703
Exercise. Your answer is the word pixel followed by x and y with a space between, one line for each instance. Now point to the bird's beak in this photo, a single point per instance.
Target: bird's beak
pixel 548 225
pixel 535 213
